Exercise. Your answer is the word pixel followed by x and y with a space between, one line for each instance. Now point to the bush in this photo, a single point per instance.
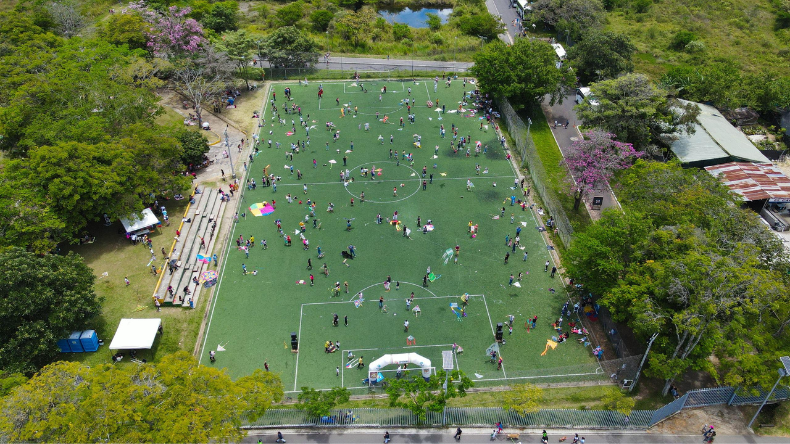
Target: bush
pixel 695 47
pixel 434 22
pixel 321 19
pixel 401 31
pixel 681 39
pixel 642 6
pixel 289 15
pixel 437 39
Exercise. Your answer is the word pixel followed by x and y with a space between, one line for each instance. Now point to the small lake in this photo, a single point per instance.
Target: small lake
pixel 415 19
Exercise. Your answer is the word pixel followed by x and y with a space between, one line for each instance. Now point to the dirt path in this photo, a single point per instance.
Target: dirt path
pixel 726 420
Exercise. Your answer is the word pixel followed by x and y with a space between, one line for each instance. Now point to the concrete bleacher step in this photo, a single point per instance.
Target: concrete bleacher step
pixel 215 215
pixel 192 249
pixel 162 294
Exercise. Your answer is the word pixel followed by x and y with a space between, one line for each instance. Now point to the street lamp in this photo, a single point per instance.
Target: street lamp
pixel 483 40
pixel 785 371
pixel 227 145
pixel 447 365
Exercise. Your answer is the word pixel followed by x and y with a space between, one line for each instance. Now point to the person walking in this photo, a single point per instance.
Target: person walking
pixel 212 356
pixel 507 256
pixel 381 302
pixel 457 435
pixel 553 271
pixel 266 366
pixel 345 319
pixel 546 267
pixel 511 280
pixel 386 437
pixel 126 279
pixel 406 326
pixel 337 371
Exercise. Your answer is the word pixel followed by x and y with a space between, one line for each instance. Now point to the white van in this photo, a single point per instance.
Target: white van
pixel 583 94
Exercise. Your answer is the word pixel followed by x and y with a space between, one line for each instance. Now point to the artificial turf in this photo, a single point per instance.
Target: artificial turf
pixel 253 315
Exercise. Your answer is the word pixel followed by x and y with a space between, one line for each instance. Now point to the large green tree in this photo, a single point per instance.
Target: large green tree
pixel 636 111
pixel 524 73
pixel 574 17
pixel 420 395
pixel 173 400
pixel 288 47
pixel 602 55
pixel 43 298
pixel 686 262
pixel 319 403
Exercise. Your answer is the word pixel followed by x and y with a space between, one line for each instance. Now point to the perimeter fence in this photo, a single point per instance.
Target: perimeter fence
pixel 525 146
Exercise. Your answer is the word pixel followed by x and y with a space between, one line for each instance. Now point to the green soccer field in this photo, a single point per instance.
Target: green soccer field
pixel 253 315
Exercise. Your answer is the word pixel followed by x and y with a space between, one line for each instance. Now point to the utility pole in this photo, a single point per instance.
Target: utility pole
pixel 785 371
pixel 230 158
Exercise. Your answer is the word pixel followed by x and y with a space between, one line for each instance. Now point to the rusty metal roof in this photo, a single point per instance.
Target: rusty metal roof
pixel 753 181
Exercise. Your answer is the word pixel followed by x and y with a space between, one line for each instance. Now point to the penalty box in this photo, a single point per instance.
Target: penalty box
pixel 373 332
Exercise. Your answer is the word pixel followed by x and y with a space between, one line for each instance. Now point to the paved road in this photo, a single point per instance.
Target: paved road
pixel 502 9
pixel 352 436
pixel 562 113
pixel 384 64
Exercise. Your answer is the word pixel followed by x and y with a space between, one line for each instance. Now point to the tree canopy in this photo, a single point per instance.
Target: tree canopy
pixel 290 48
pixel 419 395
pixel 601 55
pixel 524 73
pixel 42 299
pixel 636 111
pixel 687 263
pixel 173 400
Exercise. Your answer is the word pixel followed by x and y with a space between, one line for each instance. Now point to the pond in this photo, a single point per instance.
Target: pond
pixel 416 18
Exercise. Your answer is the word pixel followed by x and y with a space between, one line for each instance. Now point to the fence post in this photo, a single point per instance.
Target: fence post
pixel 734 393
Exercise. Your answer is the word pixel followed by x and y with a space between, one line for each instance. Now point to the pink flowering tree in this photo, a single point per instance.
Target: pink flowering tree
pixel 171 32
pixel 593 160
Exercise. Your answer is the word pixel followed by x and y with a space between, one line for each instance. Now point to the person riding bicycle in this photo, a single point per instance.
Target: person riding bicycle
pixel 280 437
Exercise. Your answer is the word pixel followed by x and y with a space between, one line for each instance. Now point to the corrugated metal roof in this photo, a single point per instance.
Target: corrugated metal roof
pixel 753 181
pixel 715 140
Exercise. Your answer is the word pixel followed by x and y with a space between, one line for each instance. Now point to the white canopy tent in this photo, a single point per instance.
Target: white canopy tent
pixel 135 334
pixel 135 223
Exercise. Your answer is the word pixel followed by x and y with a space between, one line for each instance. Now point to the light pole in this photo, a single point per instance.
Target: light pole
pixel 785 371
pixel 227 145
pixel 483 40
pixel 447 365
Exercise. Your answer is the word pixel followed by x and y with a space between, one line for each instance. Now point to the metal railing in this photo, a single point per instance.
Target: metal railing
pixel 487 416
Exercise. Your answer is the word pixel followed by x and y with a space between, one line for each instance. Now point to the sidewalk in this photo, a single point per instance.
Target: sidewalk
pixel 565 137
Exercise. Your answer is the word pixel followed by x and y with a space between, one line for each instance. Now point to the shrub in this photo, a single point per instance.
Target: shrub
pixel 321 19
pixel 434 22
pixel 682 38
pixel 642 6
pixel 695 47
pixel 401 31
pixel 437 39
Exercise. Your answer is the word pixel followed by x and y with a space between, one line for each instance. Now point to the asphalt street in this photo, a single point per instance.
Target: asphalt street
pixel 352 436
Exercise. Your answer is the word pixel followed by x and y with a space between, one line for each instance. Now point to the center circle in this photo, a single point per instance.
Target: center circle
pixel 387 174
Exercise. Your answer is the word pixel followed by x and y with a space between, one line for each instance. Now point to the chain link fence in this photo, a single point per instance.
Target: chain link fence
pixel 488 416
pixel 537 172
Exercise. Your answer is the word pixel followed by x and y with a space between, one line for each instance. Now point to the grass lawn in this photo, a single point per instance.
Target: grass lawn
pixel 739 30
pixel 551 157
pixel 253 315
pixel 117 257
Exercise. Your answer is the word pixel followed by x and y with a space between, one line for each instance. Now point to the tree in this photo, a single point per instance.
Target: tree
pixel 237 46
pixel 434 22
pixel 616 401
pixel 319 403
pixel 636 111
pixel 418 394
pixel 574 17
pixel 290 14
pixel 125 29
pixel 601 55
pixel 203 78
pixel 174 400
pixel 481 25
pixel 222 17
pixel 66 17
pixel 601 255
pixel 289 48
pixel 321 19
pixel 401 31
pixel 593 160
pixel 351 26
pixel 44 298
pixel 523 73
pixel 522 398
pixel 171 33
pixel 194 145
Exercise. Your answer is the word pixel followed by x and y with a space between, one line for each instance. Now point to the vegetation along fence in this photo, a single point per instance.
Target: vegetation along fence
pixel 487 416
pixel 526 147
